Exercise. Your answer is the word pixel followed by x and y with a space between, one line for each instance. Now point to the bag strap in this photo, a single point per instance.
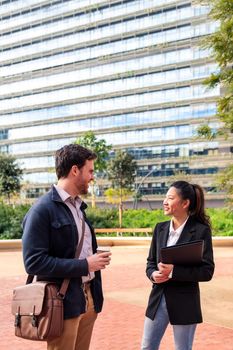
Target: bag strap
pixel 66 281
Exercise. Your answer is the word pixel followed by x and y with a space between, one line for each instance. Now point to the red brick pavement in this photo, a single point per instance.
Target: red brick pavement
pixel 119 326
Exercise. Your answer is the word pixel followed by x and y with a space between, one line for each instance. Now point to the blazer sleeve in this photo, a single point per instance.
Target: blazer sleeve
pixel 203 271
pixel 152 257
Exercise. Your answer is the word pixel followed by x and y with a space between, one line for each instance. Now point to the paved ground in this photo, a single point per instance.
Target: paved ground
pixel 119 326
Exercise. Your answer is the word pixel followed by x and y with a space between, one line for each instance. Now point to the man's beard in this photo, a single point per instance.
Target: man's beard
pixel 83 189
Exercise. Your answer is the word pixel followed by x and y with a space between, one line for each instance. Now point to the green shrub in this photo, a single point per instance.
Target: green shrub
pixel 142 218
pixel 11 219
pixel 6 212
pixel 221 221
pixel 103 218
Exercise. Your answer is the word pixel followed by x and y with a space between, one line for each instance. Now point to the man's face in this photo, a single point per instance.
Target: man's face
pixel 84 176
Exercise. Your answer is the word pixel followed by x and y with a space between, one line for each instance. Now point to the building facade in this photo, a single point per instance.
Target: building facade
pixel 130 71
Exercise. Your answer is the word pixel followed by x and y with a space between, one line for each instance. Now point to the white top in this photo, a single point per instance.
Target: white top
pixel 174 235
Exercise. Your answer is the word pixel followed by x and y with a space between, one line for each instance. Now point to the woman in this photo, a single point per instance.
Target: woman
pixel 175 295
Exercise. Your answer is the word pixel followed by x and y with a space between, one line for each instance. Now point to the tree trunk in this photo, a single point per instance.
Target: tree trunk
pixel 120 214
pixel 92 194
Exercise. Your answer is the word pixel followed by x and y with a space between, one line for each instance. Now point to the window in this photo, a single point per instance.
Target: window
pixel 3 134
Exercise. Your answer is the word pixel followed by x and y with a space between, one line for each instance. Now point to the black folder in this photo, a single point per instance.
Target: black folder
pixel 189 253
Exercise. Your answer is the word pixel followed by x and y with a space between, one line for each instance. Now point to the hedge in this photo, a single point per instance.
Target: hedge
pixel 11 218
pixel 221 219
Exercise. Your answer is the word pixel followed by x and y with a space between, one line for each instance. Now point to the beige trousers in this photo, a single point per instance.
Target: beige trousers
pixel 77 331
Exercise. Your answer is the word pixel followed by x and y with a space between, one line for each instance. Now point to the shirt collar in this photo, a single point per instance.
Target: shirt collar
pixel 179 229
pixel 65 196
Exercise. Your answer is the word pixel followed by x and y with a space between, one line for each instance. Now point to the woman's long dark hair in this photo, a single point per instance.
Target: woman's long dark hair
pixel 195 195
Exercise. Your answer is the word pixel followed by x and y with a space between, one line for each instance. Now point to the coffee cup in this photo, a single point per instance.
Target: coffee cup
pixel 103 250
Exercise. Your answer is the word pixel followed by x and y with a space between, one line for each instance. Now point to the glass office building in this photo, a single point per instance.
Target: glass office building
pixel 130 71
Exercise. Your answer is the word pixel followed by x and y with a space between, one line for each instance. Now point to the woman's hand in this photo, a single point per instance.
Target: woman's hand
pixel 165 269
pixel 163 275
pixel 158 277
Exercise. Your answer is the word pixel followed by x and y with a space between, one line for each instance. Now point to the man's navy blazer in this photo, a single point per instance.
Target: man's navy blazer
pixel 49 240
pixel 181 292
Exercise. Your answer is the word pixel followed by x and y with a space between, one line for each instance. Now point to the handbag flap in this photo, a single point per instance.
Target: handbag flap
pixel 28 299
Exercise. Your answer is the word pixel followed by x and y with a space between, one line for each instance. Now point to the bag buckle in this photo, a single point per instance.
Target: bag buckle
pixel 60 295
pixel 34 320
pixel 17 320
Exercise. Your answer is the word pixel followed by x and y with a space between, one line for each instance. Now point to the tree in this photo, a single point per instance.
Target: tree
pixel 221 45
pixel 89 140
pixel 225 182
pixel 121 173
pixel 10 176
pixel 118 196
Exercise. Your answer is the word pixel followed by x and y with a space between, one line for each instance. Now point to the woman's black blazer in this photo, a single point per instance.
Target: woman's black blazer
pixel 181 292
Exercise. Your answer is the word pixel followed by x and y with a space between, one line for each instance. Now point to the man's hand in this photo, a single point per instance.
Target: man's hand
pixel 99 261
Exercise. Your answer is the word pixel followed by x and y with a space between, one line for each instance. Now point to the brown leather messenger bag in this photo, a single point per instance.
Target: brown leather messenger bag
pixel 38 306
pixel 38 309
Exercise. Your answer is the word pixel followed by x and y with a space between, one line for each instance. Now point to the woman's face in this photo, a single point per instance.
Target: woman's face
pixel 174 205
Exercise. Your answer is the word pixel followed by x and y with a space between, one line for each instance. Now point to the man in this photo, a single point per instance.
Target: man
pixel 53 227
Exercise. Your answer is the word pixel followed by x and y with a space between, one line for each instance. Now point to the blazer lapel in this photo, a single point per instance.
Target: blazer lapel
pixel 188 232
pixel 163 234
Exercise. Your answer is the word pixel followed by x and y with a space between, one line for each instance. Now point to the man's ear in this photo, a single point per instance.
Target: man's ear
pixel 74 170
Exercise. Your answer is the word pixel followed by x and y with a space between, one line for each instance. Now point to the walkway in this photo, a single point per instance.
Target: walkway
pixel 119 326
